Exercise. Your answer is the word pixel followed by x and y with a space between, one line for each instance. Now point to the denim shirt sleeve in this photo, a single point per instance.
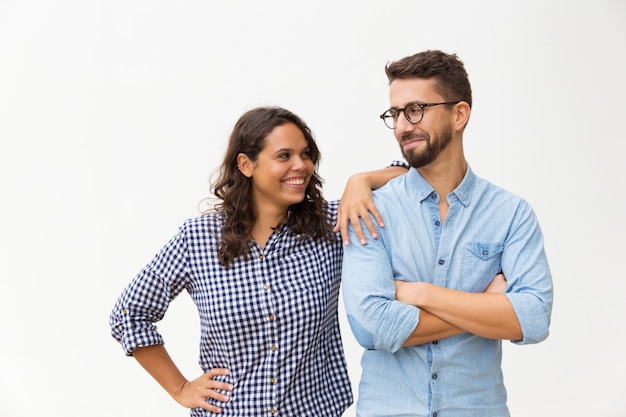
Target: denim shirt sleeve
pixel 376 319
pixel 525 266
pixel 146 298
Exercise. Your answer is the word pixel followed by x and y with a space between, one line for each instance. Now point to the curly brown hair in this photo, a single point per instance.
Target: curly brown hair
pixel 307 218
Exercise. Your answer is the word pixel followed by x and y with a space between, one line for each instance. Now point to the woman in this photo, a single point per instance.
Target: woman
pixel 263 269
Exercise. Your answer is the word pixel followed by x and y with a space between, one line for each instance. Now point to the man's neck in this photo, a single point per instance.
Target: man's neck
pixel 444 175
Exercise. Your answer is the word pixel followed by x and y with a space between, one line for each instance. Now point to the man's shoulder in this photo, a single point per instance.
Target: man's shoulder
pixel 494 198
pixel 394 190
pixel 484 186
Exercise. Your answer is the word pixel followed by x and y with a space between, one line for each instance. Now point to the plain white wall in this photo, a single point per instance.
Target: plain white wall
pixel 114 114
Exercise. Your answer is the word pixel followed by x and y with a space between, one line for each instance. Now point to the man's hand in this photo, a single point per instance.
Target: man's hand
pixel 488 314
pixel 498 285
pixel 405 291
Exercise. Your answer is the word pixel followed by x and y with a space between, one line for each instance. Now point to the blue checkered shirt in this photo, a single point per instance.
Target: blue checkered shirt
pixel 271 319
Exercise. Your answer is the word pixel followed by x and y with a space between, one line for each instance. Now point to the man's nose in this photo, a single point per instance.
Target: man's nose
pixel 402 124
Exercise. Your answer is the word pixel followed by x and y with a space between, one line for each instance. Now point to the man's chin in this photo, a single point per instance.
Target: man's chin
pixel 417 161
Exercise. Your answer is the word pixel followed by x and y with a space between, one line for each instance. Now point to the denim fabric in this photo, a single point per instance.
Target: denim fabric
pixel 486 230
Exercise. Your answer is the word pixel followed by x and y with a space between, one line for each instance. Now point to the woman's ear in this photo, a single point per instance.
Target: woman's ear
pixel 245 165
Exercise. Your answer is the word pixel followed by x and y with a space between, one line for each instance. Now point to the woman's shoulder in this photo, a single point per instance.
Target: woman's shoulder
pixel 332 205
pixel 211 223
pixel 332 208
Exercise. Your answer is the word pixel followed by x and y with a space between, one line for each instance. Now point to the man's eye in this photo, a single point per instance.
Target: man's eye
pixel 414 110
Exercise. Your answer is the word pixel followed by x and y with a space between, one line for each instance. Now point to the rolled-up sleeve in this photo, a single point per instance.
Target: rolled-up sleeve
pixel 146 299
pixel 376 319
pixel 525 265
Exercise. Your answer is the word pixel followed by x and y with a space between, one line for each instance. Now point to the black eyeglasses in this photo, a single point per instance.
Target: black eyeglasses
pixel 413 112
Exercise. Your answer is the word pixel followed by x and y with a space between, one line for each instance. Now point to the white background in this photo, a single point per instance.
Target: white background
pixel 114 114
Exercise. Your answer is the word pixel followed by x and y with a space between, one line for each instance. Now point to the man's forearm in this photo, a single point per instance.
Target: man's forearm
pixel 429 329
pixel 488 315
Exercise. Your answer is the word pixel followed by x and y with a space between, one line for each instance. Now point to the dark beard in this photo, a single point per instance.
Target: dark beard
pixel 432 151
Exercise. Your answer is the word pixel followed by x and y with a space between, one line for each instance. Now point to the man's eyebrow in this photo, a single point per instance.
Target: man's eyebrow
pixel 407 105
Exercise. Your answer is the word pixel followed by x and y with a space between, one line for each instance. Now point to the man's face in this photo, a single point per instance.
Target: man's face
pixel 423 142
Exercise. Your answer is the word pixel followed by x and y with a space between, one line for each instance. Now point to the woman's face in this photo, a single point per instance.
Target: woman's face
pixel 282 171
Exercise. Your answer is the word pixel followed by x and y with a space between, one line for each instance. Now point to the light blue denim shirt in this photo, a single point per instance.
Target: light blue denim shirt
pixel 486 230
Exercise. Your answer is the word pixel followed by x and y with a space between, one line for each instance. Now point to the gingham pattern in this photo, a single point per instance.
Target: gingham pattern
pixel 271 320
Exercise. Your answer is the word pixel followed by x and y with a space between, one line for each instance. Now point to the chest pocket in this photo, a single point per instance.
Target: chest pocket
pixel 481 262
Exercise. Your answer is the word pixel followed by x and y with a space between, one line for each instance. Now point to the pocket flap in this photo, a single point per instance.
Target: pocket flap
pixel 485 250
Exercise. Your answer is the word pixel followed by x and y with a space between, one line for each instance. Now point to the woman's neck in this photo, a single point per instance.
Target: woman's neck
pixel 265 224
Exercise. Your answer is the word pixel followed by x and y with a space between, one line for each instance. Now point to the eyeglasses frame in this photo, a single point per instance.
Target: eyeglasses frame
pixel 420 105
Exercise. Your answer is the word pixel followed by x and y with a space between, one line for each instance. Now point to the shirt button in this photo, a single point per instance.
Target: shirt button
pixel 272 380
pixel 485 252
pixel 272 317
pixel 433 196
pixel 434 414
pixel 434 376
pixel 261 257
pixel 441 262
pixel 435 342
pixel 437 223
pixel 274 348
pixel 272 411
pixel 266 286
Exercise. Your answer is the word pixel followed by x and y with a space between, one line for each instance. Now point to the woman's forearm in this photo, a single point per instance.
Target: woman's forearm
pixel 157 362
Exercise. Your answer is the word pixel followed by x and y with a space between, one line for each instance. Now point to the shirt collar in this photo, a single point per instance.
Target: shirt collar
pixel 424 190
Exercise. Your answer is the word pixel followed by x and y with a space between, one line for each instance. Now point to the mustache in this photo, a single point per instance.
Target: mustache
pixel 413 135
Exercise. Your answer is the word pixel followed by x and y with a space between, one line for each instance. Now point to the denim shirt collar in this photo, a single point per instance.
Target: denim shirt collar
pixel 424 190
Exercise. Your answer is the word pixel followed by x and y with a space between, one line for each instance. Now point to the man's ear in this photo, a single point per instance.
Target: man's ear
pixel 462 115
pixel 245 165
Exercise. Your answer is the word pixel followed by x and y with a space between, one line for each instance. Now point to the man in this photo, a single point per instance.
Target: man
pixel 422 298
